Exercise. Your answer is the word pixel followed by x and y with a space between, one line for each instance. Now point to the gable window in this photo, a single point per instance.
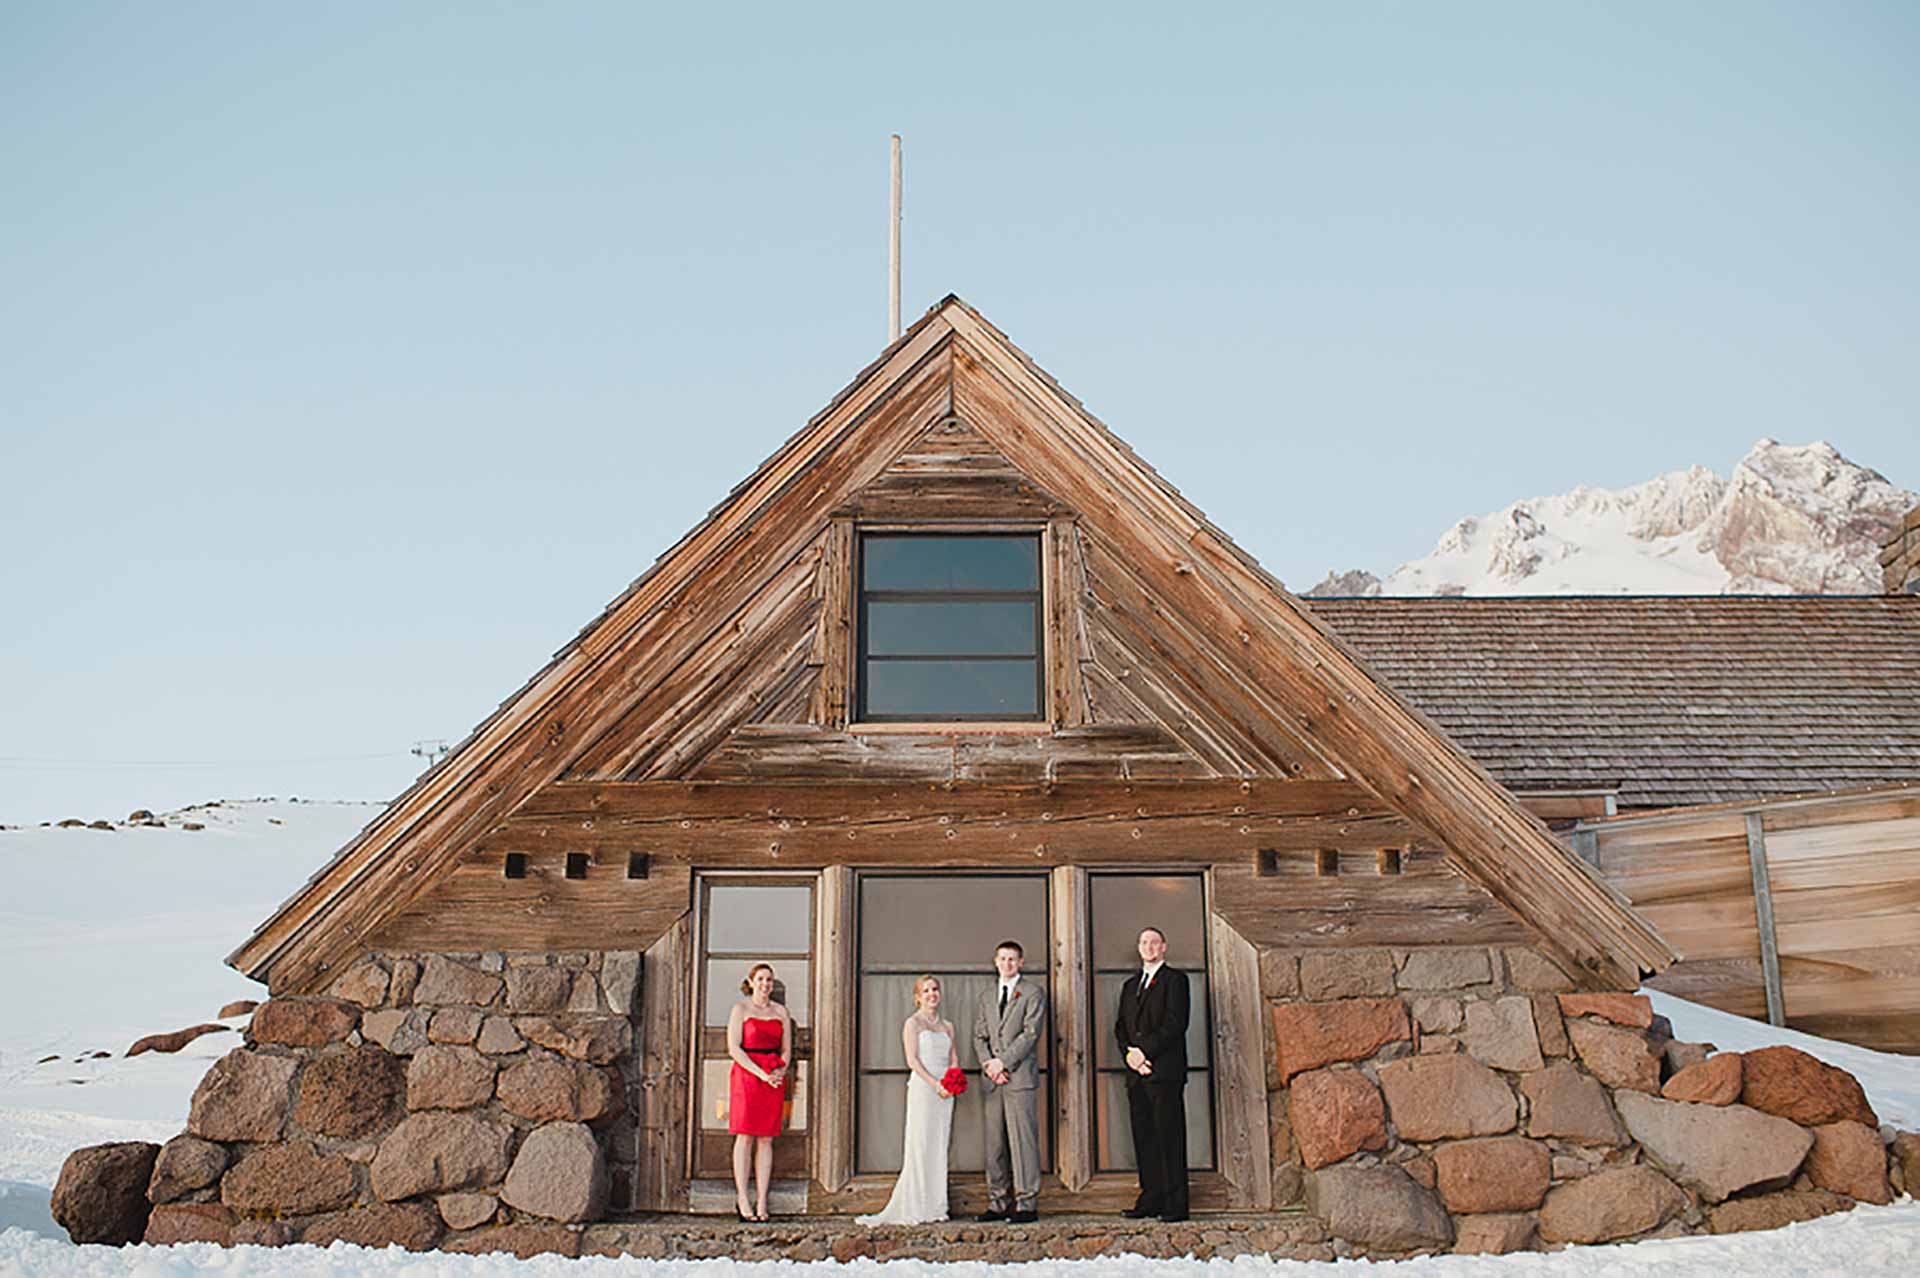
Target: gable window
pixel 949 627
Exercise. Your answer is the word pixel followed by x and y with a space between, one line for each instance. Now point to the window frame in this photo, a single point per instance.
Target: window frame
pixel 858 598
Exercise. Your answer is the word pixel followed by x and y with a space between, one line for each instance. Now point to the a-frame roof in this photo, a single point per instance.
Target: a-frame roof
pixel 628 672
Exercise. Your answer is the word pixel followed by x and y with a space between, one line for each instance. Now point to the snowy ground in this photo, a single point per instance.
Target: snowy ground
pixel 112 935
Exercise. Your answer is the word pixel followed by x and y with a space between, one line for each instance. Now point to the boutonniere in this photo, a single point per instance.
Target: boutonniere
pixel 1018 995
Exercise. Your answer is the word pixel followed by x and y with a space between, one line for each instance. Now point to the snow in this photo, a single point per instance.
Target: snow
pixel 108 936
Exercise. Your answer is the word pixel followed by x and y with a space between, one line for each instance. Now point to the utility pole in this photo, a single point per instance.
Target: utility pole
pixel 893 251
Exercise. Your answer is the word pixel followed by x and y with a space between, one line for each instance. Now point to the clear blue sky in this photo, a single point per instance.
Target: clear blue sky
pixel 354 355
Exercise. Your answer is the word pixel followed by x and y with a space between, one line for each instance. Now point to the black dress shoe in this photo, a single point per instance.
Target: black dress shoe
pixel 1026 1217
pixel 994 1213
pixel 1140 1211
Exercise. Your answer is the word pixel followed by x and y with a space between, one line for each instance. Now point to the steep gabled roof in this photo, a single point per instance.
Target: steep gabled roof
pixel 1668 700
pixel 665 645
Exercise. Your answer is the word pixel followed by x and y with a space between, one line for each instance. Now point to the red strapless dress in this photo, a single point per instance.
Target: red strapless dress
pixel 753 1108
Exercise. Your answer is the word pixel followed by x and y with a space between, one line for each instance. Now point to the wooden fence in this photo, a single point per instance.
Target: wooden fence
pixel 1805 912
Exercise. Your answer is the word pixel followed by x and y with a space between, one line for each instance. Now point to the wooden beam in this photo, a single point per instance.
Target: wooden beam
pixel 1763 916
pixel 1239 1066
pixel 1073 1048
pixel 666 1000
pixel 835 1050
pixel 833 639
pixel 1066 689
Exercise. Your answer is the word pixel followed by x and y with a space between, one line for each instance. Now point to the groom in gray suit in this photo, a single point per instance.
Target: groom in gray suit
pixel 1006 1039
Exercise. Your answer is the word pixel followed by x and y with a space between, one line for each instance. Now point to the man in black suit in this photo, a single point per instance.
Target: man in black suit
pixel 1152 1030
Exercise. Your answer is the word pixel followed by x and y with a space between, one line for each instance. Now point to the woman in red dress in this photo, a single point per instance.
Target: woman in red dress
pixel 760 1041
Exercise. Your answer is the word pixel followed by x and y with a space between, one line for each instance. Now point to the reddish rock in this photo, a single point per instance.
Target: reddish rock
pixel 1444 969
pixel 436 1151
pixel 1550 1026
pixel 401 1030
pixel 559 1173
pixel 1443 1097
pixel 1492 1235
pixel 174 1041
pixel 262 1233
pixel 288 1180
pixel 524 1241
pixel 1497 1174
pixel 1610 1204
pixel 244 1097
pixel 1632 1010
pixel 1849 1158
pixel 446 981
pixel 1906 1161
pixel 598 1040
pixel 101 1195
pixel 406 978
pixel 239 1007
pixel 189 1223
pixel 1714 1081
pixel 539 989
pixel 1330 974
pixel 1500 1033
pixel 1310 1035
pixel 1718 1149
pixel 549 1089
pixel 1279 974
pixel 455 1025
pixel 1380 1208
pixel 1677 1056
pixel 1786 1081
pixel 303 1022
pixel 449 1077
pixel 350 1094
pixel 1440 1014
pixel 414 1226
pixel 498 1037
pixel 1534 972
pixel 364 983
pixel 186 1163
pixel 467 1211
pixel 1617 1057
pixel 1771 1211
pixel 1335 1112
pixel 1567 1104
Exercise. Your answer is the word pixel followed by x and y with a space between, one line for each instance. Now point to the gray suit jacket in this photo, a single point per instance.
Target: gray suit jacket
pixel 1014 1037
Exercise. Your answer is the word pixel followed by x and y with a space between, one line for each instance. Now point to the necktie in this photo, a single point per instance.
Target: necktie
pixel 1003 1000
pixel 1146 981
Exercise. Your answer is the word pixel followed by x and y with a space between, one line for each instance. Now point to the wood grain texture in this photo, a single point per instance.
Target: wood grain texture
pixel 1073 1045
pixel 1240 1066
pixel 836 983
pixel 666 1064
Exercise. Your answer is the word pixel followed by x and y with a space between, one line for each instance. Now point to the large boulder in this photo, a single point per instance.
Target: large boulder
pixel 1617 1057
pixel 1310 1035
pixel 449 1077
pixel 1771 1211
pixel 436 1151
pixel 288 1180
pixel 1335 1112
pixel 1718 1149
pixel 550 1089
pixel 414 1226
pixel 186 1163
pixel 1380 1208
pixel 1786 1081
pixel 244 1097
pixel 445 981
pixel 1849 1158
pixel 1713 1081
pixel 559 1173
pixel 1493 1174
pixel 1905 1157
pixel 1444 1097
pixel 1611 1204
pixel 303 1022
pixel 1500 1032
pixel 175 1223
pixel 350 1094
pixel 1565 1103
pixel 101 1196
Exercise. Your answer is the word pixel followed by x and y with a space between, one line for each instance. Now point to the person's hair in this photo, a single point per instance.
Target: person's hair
pixel 746 986
pixel 1156 931
pixel 1010 945
pixel 920 981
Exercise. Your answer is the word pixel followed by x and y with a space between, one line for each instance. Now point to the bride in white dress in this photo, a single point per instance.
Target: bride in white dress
pixel 920 1195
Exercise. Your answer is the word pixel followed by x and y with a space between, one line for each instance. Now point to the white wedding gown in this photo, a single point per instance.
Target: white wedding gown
pixel 920 1195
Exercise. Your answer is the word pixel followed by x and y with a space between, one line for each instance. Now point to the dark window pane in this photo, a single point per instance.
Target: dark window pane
pixel 1123 904
pixel 950 563
pixel 745 919
pixel 949 689
pixel 1106 1009
pixel 937 923
pixel 1113 1125
pixel 963 627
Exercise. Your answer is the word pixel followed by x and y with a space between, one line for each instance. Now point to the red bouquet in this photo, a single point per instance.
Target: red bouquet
pixel 955 1081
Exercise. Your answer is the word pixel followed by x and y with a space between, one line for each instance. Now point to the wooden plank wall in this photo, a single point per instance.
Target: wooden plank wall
pixel 1844 875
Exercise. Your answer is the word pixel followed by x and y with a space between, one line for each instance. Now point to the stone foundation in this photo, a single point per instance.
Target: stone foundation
pixel 1467 1099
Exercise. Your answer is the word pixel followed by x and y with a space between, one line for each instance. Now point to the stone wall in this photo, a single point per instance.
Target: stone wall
pixel 1467 1099
pixel 470 1102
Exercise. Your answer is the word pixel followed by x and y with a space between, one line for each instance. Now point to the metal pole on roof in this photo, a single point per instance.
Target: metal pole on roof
pixel 893 251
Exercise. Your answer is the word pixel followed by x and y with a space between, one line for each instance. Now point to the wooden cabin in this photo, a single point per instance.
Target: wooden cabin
pixel 953 665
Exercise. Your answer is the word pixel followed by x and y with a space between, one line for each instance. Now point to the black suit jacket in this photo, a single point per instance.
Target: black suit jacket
pixel 1156 1023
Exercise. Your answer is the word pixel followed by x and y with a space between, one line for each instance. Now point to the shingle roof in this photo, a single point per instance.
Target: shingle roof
pixel 1670 699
